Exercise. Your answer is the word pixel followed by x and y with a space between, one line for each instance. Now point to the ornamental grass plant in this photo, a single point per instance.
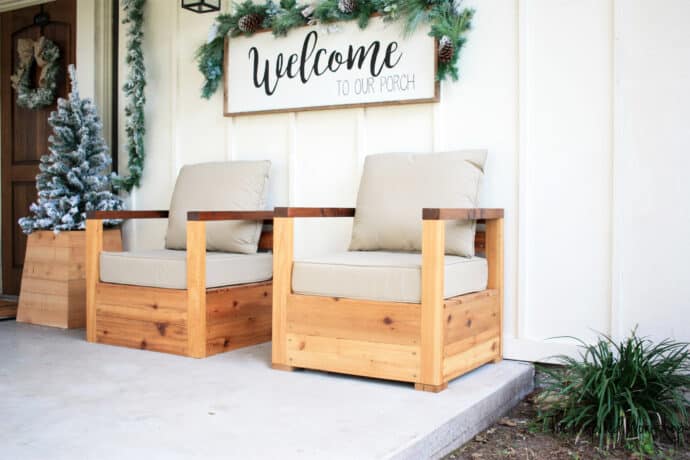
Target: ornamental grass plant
pixel 630 394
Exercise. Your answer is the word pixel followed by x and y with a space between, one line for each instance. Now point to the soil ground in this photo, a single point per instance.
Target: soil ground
pixel 519 436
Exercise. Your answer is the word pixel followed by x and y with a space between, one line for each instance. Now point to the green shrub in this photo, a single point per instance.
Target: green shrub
pixel 627 393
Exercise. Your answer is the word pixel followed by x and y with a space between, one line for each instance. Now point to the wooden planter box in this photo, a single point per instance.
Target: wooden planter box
pixel 53 289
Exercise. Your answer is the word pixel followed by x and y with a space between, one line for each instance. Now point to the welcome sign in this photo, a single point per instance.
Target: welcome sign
pixel 316 68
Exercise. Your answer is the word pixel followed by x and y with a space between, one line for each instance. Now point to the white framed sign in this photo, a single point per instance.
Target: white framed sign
pixel 315 67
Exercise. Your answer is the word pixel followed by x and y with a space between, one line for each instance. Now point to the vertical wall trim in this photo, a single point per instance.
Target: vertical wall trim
pixel 522 144
pixel 104 64
pixel 176 164
pixel 230 138
pixel 616 240
pixel 436 126
pixel 292 158
pixel 361 144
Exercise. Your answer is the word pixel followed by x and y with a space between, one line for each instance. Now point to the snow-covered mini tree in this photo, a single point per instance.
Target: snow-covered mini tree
pixel 75 176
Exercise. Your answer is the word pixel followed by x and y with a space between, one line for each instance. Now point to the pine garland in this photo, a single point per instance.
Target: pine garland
pixel 75 176
pixel 448 20
pixel 134 90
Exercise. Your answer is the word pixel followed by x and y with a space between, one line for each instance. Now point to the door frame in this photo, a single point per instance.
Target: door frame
pixel 97 32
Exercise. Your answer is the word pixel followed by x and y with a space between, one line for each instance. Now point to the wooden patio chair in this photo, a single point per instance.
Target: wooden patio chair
pixel 396 305
pixel 209 291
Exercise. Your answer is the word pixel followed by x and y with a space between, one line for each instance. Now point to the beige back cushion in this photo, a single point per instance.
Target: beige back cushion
pixel 394 189
pixel 223 186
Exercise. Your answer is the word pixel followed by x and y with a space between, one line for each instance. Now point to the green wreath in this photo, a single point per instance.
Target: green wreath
pixel 45 54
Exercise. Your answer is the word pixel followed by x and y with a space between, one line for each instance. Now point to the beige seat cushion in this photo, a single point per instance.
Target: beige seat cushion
pixel 394 189
pixel 224 186
pixel 165 268
pixel 384 276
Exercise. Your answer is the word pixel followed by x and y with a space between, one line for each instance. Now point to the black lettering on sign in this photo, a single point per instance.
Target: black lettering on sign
pixel 317 61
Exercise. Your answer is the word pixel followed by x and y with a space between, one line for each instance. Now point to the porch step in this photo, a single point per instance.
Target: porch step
pixel 509 381
pixel 118 403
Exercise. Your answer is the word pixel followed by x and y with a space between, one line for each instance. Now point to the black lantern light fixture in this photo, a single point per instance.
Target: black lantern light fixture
pixel 201 6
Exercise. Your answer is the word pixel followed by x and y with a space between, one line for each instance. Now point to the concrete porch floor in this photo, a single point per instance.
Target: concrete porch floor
pixel 64 398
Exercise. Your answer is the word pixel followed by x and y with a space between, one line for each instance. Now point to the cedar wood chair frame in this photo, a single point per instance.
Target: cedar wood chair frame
pixel 196 321
pixel 428 344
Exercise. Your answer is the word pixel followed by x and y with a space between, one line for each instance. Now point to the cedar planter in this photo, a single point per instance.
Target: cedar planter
pixel 53 289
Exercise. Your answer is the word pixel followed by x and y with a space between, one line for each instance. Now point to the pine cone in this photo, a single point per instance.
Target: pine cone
pixel 446 49
pixel 308 11
pixel 250 23
pixel 347 6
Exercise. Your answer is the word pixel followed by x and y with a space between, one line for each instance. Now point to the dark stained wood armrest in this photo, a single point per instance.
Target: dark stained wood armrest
pixel 229 215
pixel 314 212
pixel 461 214
pixel 127 215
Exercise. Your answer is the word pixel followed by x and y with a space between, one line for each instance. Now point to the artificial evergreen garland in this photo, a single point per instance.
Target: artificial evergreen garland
pixel 75 176
pixel 46 55
pixel 448 19
pixel 134 90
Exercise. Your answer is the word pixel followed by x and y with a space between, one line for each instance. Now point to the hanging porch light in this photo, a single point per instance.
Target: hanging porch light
pixel 201 6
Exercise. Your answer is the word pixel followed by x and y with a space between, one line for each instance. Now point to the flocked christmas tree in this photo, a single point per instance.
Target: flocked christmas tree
pixel 75 176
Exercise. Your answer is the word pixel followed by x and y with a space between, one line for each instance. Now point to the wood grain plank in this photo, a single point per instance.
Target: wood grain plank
pixel 129 214
pixel 94 247
pixel 382 322
pixel 495 261
pixel 354 357
pixel 461 213
pixel 465 319
pixel 266 240
pixel 145 335
pixel 314 212
pixel 148 298
pixel 474 357
pixel 142 313
pixel 196 288
pixel 227 302
pixel 250 328
pixel 42 308
pixel 283 250
pixel 480 242
pixel 76 289
pixel 8 309
pixel 466 343
pixel 55 272
pixel 238 316
pixel 229 215
pixel 433 246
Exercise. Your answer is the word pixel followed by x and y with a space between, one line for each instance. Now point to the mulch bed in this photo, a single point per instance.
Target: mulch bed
pixel 518 435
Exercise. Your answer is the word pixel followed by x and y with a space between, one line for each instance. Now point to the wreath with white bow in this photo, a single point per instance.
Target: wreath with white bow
pixel 45 54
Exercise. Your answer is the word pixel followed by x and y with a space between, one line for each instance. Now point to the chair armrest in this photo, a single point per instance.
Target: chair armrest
pixel 107 215
pixel 229 215
pixel 461 214
pixel 314 212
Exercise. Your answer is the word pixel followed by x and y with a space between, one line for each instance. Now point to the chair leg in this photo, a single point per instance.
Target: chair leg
pixel 94 247
pixel 430 388
pixel 196 289
pixel 283 228
pixel 283 367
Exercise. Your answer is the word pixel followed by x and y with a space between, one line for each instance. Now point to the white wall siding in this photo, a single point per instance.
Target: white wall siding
pixel 582 106
pixel 652 191
pixel 566 170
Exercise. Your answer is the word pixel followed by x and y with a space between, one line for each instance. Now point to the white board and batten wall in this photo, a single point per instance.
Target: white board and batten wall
pixel 584 109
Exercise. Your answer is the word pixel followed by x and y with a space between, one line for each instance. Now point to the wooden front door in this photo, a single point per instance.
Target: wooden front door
pixel 25 132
